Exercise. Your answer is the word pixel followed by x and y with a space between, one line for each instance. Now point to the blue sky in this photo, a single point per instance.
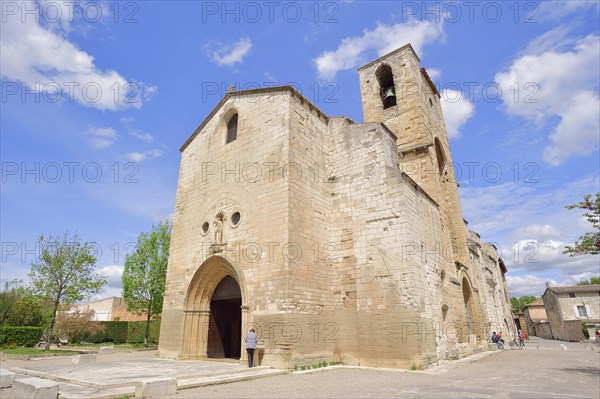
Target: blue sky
pixel 97 98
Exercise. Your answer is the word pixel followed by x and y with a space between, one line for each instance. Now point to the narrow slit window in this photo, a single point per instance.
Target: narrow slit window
pixel 232 128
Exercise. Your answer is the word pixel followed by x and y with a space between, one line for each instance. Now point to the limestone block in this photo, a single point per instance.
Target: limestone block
pixel 492 346
pixel 35 388
pixel 156 388
pixel 106 349
pixel 90 358
pixel 6 378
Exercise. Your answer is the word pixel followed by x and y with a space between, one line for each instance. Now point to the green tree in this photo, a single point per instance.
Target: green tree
pixel 589 243
pixel 64 273
pixel 11 293
pixel 29 311
pixel 145 273
pixel 518 303
pixel 593 280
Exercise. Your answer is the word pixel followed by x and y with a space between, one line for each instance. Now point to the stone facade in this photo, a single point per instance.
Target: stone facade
pixel 568 307
pixel 335 240
pixel 535 318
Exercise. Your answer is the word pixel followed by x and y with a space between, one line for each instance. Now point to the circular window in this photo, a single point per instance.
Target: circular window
pixel 205 227
pixel 235 219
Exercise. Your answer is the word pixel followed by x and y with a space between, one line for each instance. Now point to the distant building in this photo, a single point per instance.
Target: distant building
pixel 568 307
pixel 111 309
pixel 536 320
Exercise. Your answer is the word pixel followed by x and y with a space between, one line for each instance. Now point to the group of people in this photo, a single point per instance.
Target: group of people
pixel 498 340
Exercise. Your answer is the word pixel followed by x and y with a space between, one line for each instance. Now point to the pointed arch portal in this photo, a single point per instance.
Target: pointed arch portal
pixel 215 311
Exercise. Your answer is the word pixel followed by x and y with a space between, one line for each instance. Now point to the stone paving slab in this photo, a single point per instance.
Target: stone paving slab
pixel 122 373
pixel 247 374
pixel 116 379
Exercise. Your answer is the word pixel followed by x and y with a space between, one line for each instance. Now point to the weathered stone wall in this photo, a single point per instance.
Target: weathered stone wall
pixel 351 244
pixel 554 315
pixel 247 175
pixel 568 305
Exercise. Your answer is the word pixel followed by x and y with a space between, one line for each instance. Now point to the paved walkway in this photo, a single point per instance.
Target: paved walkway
pixel 544 369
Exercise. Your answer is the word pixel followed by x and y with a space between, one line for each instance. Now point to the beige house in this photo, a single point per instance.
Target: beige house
pixel 110 309
pixel 568 307
pixel 536 320
pixel 335 240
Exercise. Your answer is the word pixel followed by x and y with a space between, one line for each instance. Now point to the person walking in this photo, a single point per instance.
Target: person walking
pixel 521 339
pixel 251 340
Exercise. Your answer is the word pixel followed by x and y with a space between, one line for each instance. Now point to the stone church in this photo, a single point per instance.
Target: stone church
pixel 336 241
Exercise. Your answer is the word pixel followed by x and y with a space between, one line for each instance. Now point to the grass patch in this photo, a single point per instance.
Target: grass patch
pixel 37 352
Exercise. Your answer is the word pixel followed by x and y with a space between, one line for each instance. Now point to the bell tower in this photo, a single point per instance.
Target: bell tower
pixel 397 92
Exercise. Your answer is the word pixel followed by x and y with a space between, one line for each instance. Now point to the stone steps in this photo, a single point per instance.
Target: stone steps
pixel 250 374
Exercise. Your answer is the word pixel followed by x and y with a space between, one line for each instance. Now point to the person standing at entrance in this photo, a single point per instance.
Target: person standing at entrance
pixel 251 340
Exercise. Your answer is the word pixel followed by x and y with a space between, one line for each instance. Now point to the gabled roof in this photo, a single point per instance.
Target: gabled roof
pixel 263 90
pixel 537 302
pixel 575 289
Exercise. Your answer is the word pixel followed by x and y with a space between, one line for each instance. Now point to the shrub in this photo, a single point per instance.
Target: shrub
pixel 137 329
pixel 584 329
pixel 115 332
pixel 77 326
pixel 20 336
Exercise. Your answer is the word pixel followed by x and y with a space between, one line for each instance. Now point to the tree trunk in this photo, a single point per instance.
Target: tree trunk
pixel 52 320
pixel 147 335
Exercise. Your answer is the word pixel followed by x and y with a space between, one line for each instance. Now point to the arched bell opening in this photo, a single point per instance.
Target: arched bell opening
pixel 387 90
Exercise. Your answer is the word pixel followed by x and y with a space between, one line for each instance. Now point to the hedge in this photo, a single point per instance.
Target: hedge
pixel 137 331
pixel 20 336
pixel 115 332
pixel 130 332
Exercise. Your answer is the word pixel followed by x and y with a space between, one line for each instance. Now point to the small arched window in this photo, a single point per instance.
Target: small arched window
pixel 232 128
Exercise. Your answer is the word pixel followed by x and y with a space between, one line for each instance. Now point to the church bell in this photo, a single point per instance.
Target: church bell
pixel 389 97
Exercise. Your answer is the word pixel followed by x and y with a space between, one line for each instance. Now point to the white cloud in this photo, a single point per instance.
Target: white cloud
pixel 434 73
pixel 127 120
pixel 538 231
pixel 527 285
pixel 113 274
pixel 530 226
pixel 578 132
pixel 535 256
pixel 103 137
pixel 457 111
pixel 44 60
pixel 559 9
pixel 270 77
pixel 506 211
pixel 229 54
pixel 559 85
pixel 147 137
pixel 142 156
pixel 382 40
